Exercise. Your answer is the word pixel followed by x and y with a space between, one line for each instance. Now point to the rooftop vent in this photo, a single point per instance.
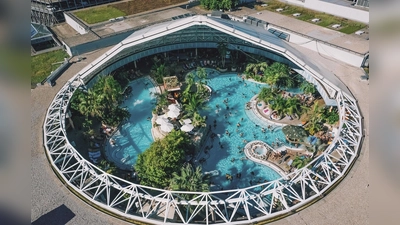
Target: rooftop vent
pixel 296 14
pixel 315 20
pixel 336 26
pixel 279 10
pixel 359 32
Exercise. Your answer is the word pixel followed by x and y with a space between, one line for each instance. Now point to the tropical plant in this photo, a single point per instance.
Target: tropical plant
pixel 308 88
pixel 331 115
pixel 252 69
pixel 219 4
pixel 115 116
pixel 88 104
pixel 267 95
pixel 190 179
pixel 108 167
pixel 222 49
pixel 293 106
pixel 156 165
pixel 159 71
pixel 314 112
pixel 313 125
pixel 101 101
pixel 300 161
pixel 198 120
pixel 277 75
pixel 194 104
pixel 278 105
pixel 162 101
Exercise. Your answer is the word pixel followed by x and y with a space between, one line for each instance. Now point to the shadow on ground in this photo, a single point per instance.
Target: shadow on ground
pixel 58 216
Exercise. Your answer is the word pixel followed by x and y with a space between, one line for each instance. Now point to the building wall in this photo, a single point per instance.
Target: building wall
pixel 74 24
pixel 334 9
pixel 325 49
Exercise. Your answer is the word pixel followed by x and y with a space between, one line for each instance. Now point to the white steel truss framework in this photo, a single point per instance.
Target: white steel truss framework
pixel 248 205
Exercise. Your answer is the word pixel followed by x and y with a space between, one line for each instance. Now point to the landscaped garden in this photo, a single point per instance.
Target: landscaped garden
pixel 165 164
pixel 104 13
pixel 326 20
pixel 99 14
pixel 42 65
pixel 307 108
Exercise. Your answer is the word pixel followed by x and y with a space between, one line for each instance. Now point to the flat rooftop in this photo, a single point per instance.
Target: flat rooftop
pixel 353 42
pixel 72 38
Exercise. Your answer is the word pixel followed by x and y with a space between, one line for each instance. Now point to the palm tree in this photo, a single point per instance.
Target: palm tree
pixel 108 167
pixel 313 125
pixel 159 72
pixel 278 104
pixel 90 104
pixel 308 88
pixel 198 120
pixel 278 75
pixel 201 75
pixel 293 106
pixel 222 49
pixel 300 162
pixel 190 179
pixel 252 69
pixel 162 101
pixel 109 90
pixel 194 103
pixel 267 95
pixel 315 112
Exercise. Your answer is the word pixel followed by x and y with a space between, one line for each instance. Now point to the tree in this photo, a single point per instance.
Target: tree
pixel 108 167
pixel 331 115
pixel 156 165
pixel 222 49
pixel 190 179
pixel 159 72
pixel 198 120
pixel 101 102
pixel 194 103
pixel 219 4
pixel 308 88
pixel 293 106
pixel 267 95
pixel 313 125
pixel 162 101
pixel 277 75
pixel 300 161
pixel 109 90
pixel 278 105
pixel 252 69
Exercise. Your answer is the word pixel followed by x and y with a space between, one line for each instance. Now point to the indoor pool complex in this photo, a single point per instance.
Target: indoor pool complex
pixel 242 191
pixel 232 127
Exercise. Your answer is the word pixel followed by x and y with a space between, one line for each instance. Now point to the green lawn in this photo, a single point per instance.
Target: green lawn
pixel 41 65
pixel 99 14
pixel 327 20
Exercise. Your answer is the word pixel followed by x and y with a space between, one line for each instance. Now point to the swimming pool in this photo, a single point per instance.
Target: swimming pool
pixel 226 153
pixel 233 130
pixel 134 136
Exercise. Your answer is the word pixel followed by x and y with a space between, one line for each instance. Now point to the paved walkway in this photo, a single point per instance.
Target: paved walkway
pixel 47 191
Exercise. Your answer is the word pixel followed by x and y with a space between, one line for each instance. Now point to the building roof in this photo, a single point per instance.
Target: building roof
pixel 256 35
pixel 39 31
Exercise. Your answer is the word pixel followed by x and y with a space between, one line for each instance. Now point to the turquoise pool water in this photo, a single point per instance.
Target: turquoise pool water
pixel 134 136
pixel 225 155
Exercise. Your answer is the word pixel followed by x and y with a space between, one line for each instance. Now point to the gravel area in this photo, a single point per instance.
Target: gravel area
pixel 52 203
